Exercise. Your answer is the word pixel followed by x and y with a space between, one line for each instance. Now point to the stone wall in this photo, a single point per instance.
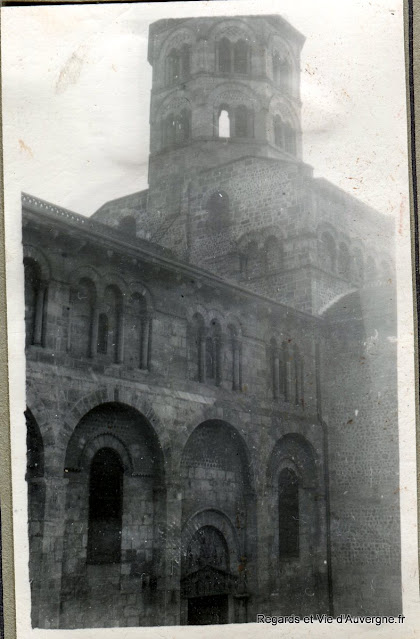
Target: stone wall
pixel 76 396
pixel 360 408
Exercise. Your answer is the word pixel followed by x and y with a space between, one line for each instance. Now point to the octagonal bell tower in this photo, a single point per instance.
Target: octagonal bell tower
pixel 224 88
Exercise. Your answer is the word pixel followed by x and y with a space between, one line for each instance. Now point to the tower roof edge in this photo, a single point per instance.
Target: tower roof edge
pixel 276 21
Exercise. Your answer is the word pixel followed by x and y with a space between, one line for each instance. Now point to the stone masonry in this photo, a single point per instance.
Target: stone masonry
pixel 211 365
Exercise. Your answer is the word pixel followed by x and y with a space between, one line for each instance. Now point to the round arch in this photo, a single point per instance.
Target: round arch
pixel 215 519
pixel 295 450
pixel 234 30
pixel 121 427
pixel 134 287
pixel 32 253
pixel 221 429
pixel 129 398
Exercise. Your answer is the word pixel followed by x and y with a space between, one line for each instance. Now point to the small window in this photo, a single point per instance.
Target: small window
pixel 105 508
pixel 241 122
pixel 182 127
pixel 103 334
pixel 240 57
pixel 173 67
pixel 288 491
pixel 224 124
pixel 185 61
pixel 210 359
pixel 225 55
pixel 177 128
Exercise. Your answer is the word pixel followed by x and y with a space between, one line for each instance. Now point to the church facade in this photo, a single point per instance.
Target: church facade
pixel 211 365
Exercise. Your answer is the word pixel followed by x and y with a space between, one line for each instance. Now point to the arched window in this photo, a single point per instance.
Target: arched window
pixel 329 252
pixel 182 131
pixel 297 382
pixel 127 225
pixel 241 57
pixel 34 303
pixel 289 139
pixel 105 508
pixel 242 122
pixel 177 128
pixel 173 67
pixel 225 55
pixel 82 343
pixel 185 61
pixel 236 355
pixel 169 130
pixel 279 132
pixel 224 123
pixel 213 352
pixel 288 512
pixel 198 349
pixel 286 372
pixel 137 333
pixel 102 334
pixel 113 313
pixel 280 369
pixel 275 355
pixel 210 359
pixel 344 261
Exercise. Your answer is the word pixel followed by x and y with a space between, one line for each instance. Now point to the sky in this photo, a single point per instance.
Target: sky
pixel 76 95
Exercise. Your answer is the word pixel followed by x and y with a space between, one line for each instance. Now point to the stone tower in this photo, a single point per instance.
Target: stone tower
pixel 228 190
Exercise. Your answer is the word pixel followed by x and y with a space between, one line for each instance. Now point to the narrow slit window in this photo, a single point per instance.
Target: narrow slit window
pixel 224 124
pixel 103 334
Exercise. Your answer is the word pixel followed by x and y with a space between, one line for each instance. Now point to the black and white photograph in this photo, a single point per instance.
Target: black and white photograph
pixel 209 288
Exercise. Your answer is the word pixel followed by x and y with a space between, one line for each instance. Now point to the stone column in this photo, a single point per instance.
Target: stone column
pixel 145 338
pixel 202 356
pixel 218 349
pixel 276 375
pixel 93 347
pixel 120 343
pixel 236 366
pixel 39 314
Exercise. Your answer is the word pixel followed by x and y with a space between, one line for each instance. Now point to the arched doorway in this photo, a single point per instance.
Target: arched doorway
pixel 207 581
pixel 219 529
